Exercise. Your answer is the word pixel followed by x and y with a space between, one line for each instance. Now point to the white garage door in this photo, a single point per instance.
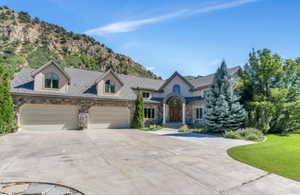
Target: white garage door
pixel 48 117
pixel 108 117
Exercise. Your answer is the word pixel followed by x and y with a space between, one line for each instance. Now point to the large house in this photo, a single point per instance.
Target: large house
pixel 52 97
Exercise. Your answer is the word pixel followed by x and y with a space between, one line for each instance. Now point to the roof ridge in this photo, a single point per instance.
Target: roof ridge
pixel 229 69
pixel 119 74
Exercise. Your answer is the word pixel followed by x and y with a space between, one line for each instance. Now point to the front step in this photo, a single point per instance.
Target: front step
pixel 173 125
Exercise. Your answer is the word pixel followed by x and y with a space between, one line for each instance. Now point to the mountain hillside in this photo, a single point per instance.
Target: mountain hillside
pixel 29 42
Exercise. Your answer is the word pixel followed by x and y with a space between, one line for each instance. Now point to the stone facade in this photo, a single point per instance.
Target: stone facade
pixel 157 114
pixel 191 112
pixel 85 104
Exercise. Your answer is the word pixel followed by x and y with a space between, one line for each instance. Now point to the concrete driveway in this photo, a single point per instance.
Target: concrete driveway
pixel 132 162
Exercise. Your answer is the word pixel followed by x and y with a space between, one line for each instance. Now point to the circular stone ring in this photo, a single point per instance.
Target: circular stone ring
pixel 36 188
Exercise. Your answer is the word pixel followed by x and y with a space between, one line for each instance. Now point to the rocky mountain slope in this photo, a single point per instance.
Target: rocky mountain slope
pixel 29 42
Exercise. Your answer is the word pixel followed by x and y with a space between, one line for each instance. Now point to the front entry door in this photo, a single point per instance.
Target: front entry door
pixel 175 114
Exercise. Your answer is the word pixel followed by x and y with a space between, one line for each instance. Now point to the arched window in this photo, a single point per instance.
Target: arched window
pixel 51 81
pixel 109 86
pixel 176 89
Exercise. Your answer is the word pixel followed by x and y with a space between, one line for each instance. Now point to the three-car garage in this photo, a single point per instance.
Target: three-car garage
pixel 65 117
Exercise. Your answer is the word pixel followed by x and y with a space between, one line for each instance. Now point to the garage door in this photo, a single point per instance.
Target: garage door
pixel 108 117
pixel 48 117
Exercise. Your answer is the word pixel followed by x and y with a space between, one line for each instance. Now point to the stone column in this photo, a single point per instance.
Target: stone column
pixel 164 113
pixel 83 117
pixel 183 113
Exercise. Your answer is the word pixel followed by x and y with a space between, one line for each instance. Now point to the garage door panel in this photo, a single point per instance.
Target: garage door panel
pixel 48 117
pixel 108 117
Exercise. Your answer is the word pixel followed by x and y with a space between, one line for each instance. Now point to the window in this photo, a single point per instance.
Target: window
pixel 149 113
pixel 199 113
pixel 109 86
pixel 176 89
pixel 146 95
pixel 51 81
pixel 205 93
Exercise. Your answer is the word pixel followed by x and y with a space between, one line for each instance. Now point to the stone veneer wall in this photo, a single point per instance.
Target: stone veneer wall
pixel 191 112
pixel 83 104
pixel 158 111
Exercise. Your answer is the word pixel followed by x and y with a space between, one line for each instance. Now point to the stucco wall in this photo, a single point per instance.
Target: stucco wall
pixel 39 80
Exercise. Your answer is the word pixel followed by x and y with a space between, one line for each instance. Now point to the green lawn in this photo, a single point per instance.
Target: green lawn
pixel 279 155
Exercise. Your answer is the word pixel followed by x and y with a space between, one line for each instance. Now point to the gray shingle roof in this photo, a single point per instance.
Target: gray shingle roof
pixel 205 81
pixel 83 84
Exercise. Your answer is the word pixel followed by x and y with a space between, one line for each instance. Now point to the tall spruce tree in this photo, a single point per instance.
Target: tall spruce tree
pixel 6 103
pixel 222 108
pixel 138 117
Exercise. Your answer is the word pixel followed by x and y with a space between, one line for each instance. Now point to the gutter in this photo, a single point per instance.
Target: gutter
pixel 77 97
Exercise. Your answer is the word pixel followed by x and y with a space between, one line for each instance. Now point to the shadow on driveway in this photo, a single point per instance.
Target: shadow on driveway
pixel 197 135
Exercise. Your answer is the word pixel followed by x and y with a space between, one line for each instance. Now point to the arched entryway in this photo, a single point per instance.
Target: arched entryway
pixel 175 109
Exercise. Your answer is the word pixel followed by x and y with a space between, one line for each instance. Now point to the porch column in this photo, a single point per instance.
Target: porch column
pixel 183 113
pixel 164 113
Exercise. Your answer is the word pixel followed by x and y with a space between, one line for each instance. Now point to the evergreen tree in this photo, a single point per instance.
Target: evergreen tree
pixel 222 108
pixel 6 104
pixel 138 118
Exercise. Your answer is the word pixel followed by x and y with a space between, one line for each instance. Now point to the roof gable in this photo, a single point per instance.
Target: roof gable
pixel 51 62
pixel 172 77
pixel 110 72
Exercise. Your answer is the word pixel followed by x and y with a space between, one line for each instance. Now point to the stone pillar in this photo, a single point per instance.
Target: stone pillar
pixel 17 121
pixel 183 113
pixel 164 113
pixel 83 117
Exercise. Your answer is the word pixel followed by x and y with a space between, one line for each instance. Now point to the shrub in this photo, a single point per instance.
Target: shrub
pixel 232 135
pixel 251 134
pixel 6 103
pixel 152 128
pixel 252 137
pixel 138 117
pixel 184 128
pixel 199 130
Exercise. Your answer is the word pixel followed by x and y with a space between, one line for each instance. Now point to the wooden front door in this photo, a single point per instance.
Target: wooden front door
pixel 175 109
pixel 175 114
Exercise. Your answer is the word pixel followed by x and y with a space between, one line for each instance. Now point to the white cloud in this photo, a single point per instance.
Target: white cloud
pixel 132 25
pixel 150 68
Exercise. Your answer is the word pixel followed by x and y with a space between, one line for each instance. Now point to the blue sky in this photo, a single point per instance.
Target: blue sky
pixel 190 36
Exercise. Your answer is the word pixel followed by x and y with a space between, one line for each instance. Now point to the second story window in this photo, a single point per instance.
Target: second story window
pixel 51 81
pixel 176 89
pixel 146 95
pixel 110 86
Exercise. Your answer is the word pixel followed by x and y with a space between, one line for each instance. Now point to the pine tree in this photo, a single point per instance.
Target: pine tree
pixel 6 104
pixel 222 108
pixel 138 118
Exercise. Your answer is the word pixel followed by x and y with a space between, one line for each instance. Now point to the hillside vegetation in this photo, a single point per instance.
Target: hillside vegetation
pixel 29 42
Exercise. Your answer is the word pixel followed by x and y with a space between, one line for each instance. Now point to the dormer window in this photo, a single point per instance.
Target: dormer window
pixel 176 89
pixel 110 86
pixel 146 95
pixel 51 81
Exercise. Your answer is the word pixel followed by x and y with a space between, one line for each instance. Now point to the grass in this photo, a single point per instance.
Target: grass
pixel 280 154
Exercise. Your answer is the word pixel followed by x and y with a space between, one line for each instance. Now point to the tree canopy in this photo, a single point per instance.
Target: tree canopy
pixel 270 87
